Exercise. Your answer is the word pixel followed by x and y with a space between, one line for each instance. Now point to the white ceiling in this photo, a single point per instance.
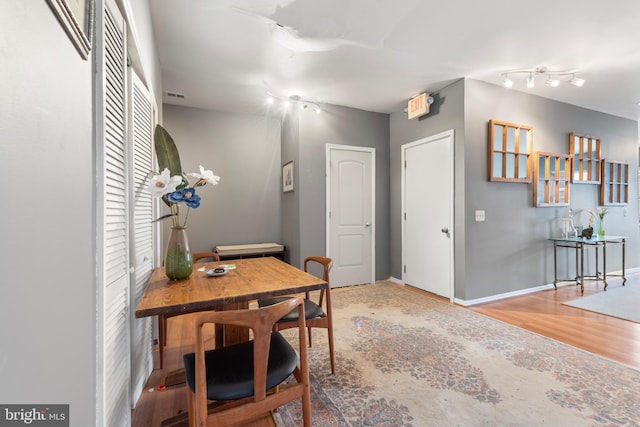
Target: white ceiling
pixel 376 54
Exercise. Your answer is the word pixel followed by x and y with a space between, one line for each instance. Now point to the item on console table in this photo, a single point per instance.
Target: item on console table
pixel 587 232
pixel 599 215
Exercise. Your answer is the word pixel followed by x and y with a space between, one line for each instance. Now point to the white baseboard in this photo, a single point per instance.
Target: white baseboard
pixel 497 297
pixel 628 272
pixel 465 303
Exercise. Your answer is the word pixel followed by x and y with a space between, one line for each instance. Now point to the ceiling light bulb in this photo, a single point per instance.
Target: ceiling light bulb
pixel 270 100
pixel 577 81
pixel 531 83
pixel 303 106
pixel 317 110
pixel 552 82
pixel 507 82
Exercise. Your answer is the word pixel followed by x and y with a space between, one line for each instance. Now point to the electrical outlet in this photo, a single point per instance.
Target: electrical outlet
pixel 480 216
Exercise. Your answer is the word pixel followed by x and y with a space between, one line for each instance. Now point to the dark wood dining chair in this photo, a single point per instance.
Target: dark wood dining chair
pixel 318 315
pixel 162 319
pixel 240 379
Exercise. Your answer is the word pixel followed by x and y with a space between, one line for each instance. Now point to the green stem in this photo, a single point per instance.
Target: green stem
pixel 175 214
pixel 186 217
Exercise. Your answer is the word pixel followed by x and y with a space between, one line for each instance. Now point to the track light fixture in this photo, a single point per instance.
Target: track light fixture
pixel 553 78
pixel 294 98
pixel 531 82
pixel 552 82
pixel 576 81
pixel 305 105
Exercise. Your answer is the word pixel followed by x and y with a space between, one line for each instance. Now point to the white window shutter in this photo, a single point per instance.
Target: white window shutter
pixel 142 230
pixel 113 382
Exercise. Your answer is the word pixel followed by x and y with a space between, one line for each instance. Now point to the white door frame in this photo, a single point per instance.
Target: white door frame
pixel 450 134
pixel 372 151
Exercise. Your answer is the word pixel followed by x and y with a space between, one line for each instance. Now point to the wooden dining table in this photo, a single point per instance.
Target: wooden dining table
pixel 250 279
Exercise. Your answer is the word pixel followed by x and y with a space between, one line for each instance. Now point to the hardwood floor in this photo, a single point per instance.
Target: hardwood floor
pixel 543 313
pixel 539 312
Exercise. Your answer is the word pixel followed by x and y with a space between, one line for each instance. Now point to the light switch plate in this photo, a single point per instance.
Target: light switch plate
pixel 480 216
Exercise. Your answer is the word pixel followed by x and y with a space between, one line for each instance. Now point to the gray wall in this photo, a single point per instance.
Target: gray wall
pixel 49 287
pixel 342 126
pixel 248 205
pixel 509 251
pixel 244 150
pixel 290 222
pixel 445 113
pixel 48 303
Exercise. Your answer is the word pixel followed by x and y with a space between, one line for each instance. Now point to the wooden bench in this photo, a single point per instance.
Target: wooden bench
pixel 254 250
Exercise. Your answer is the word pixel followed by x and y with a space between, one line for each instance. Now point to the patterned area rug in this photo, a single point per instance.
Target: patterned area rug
pixel 404 359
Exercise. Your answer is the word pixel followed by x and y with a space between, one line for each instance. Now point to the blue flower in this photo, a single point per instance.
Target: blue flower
pixel 187 195
pixel 175 190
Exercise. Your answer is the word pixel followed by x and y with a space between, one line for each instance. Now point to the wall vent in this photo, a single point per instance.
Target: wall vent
pixel 175 95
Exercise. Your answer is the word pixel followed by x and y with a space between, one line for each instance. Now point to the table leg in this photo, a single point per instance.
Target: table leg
pixel 555 266
pixel 232 334
pixel 624 278
pixel 577 271
pixel 597 273
pixel 581 246
pixel 604 264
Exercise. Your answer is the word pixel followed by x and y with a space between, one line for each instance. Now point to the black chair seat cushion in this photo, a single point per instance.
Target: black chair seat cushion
pixel 311 309
pixel 230 369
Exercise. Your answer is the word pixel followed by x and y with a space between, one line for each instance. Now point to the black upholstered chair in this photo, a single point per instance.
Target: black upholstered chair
pixel 318 315
pixel 241 378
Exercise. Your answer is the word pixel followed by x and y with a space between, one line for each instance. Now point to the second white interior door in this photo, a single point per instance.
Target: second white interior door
pixel 350 216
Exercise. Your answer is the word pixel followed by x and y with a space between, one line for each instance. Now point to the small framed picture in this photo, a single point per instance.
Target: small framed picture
pixel 76 17
pixel 287 177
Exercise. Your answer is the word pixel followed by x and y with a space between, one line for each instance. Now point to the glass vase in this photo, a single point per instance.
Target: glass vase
pixel 178 260
pixel 601 227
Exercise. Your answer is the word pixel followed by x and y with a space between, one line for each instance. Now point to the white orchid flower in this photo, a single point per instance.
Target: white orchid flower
pixel 164 183
pixel 206 175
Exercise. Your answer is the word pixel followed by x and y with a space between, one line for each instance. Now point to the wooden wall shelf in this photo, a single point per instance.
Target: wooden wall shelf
pixel 551 184
pixel 614 190
pixel 585 156
pixel 509 152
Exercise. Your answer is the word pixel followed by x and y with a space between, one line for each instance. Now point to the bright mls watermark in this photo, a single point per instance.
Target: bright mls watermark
pixel 34 415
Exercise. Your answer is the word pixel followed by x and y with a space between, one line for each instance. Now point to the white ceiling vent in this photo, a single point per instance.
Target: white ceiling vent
pixel 175 95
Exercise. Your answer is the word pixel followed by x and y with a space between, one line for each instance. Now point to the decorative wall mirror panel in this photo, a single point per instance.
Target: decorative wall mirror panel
pixel 509 152
pixel 585 154
pixel 615 184
pixel 551 179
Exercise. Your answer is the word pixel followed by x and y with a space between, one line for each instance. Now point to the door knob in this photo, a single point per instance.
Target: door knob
pixel 445 230
pixel 367 225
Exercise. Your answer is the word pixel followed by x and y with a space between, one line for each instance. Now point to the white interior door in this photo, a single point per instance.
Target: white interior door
pixel 350 214
pixel 427 189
